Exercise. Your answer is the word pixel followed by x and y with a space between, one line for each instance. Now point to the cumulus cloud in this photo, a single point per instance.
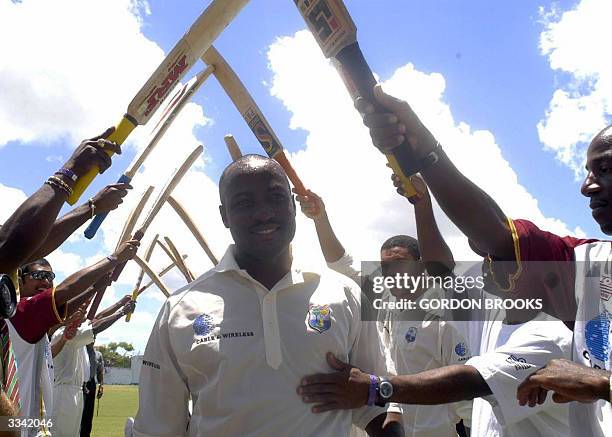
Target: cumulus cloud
pixel 339 162
pixel 582 105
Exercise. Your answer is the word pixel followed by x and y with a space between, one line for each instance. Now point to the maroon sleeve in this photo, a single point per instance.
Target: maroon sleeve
pixel 35 315
pixel 547 268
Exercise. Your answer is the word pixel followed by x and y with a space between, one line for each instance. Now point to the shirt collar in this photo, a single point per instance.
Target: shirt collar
pixel 296 275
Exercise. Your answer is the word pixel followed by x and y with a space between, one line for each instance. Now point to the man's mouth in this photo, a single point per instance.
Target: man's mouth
pixel 596 204
pixel 265 229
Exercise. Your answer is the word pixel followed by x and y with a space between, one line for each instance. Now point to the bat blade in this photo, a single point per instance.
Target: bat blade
pixel 336 33
pixel 251 113
pixel 215 18
pixel 232 146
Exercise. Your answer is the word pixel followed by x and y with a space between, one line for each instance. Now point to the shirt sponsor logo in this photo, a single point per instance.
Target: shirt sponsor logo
pixel 461 349
pixel 519 363
pixel 150 364
pixel 319 317
pixel 203 324
pixel 411 334
pixel 597 336
pixel 222 336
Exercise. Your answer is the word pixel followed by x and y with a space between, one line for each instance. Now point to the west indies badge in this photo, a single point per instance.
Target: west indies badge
pixel 319 317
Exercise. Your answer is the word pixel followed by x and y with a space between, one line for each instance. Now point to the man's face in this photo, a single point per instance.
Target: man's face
pixel 396 260
pixel 259 210
pixel 38 279
pixel 598 184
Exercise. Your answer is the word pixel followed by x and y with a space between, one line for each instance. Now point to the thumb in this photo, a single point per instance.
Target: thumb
pixel 105 134
pixel 335 363
pixel 560 399
pixel 388 102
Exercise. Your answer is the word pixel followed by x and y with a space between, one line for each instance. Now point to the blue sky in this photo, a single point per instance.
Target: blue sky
pixel 479 70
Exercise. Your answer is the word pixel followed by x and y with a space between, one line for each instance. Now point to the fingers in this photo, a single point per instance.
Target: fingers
pixel 325 407
pixel 389 102
pixel 363 106
pixel 335 363
pixel 321 378
pixel 380 120
pixel 316 389
pixel 104 134
pixel 321 398
pixel 561 399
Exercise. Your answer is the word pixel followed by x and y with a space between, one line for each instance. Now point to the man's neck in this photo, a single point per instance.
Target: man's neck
pixel 266 272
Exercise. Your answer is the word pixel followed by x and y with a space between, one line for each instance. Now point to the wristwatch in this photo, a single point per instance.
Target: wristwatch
pixel 384 391
pixel 431 158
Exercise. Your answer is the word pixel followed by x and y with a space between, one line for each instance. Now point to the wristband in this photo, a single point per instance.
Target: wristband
pixel 112 258
pixel 68 173
pixel 372 390
pixel 92 206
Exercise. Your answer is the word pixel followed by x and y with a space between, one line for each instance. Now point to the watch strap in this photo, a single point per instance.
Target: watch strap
pixel 372 390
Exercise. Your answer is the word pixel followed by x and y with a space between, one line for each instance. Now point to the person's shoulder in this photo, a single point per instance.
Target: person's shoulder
pixel 196 286
pixel 340 282
pixel 529 228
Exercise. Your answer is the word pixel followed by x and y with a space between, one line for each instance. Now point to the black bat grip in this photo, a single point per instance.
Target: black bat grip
pixel 359 76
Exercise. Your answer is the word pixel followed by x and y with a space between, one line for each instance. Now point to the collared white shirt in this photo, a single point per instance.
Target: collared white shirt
pixel 416 346
pixel 240 351
pixel 70 362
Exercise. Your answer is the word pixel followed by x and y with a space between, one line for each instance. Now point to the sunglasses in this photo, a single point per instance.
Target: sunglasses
pixel 40 275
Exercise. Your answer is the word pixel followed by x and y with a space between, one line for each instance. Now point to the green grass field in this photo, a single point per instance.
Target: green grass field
pixel 118 403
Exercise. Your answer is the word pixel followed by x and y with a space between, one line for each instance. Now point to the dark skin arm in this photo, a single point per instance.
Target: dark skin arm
pixel 20 234
pixel 348 387
pixel 108 199
pixel 483 222
pixel 80 281
pixel 313 207
pixel 114 307
pixel 101 324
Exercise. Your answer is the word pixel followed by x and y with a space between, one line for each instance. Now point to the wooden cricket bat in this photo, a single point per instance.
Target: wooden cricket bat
pixel 164 271
pixel 251 113
pixel 182 213
pixel 151 274
pixel 174 107
pixel 232 147
pixel 181 58
pixel 161 199
pixel 179 260
pixel 336 33
pixel 147 258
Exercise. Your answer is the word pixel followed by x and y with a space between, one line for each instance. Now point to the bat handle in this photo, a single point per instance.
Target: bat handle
pixel 97 221
pixel 121 132
pixel 119 267
pixel 134 297
pixel 96 303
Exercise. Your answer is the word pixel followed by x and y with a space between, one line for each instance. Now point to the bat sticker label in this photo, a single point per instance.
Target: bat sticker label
pixel 159 92
pixel 327 23
pixel 263 134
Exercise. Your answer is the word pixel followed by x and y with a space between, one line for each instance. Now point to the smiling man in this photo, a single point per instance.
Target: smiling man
pixel 238 339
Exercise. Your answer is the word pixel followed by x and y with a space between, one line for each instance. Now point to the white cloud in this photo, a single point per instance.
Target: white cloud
pixel 340 163
pixel 11 199
pixel 574 43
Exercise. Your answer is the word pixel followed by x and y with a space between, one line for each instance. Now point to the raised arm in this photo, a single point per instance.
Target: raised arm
pixel 114 307
pixel 472 210
pixel 108 199
pixel 80 281
pixel 20 234
pixel 313 207
pixel 102 323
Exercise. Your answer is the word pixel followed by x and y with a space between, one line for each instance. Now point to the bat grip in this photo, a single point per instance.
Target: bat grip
pixel 360 81
pixel 119 267
pixel 121 132
pixel 95 304
pixel 97 221
pixel 134 297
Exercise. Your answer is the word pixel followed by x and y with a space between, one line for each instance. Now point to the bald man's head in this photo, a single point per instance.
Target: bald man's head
pixel 597 186
pixel 257 206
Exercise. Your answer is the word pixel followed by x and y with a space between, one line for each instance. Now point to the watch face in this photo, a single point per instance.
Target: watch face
pixel 386 389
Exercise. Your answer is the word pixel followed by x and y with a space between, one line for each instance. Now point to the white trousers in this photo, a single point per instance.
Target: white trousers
pixel 67 410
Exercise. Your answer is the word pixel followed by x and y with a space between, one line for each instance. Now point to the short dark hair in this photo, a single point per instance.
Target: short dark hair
pixel 409 243
pixel 244 164
pixel 27 268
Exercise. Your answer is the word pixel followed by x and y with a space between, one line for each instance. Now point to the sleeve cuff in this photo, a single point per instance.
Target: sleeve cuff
pixel 55 310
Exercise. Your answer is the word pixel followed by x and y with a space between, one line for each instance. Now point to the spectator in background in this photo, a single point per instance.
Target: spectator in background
pixel 96 372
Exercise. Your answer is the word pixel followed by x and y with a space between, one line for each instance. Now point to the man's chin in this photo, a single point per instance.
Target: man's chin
pixel 605 225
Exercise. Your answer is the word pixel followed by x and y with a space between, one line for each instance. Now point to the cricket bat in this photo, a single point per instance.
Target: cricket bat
pixel 177 103
pixel 336 33
pixel 251 113
pixel 232 147
pixel 215 18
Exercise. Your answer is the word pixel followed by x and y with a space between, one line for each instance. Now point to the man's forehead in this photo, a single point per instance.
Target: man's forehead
pixel 246 178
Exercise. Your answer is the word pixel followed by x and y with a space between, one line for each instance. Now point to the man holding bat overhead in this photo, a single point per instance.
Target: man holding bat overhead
pixel 238 339
pixel 572 283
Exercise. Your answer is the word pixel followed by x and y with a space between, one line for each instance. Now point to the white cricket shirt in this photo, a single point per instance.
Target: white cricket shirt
pixel 69 364
pixel 241 350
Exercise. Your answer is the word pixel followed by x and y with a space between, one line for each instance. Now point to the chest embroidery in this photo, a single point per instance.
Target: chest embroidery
pixel 319 317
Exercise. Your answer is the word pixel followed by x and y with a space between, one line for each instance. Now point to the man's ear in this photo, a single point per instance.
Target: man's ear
pixel 223 215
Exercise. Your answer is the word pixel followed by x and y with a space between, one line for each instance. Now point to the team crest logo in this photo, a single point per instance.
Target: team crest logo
pixel 461 349
pixel 605 287
pixel 411 334
pixel 203 324
pixel 319 317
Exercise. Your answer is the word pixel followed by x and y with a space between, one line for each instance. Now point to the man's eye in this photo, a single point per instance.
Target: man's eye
pixel 603 169
pixel 244 203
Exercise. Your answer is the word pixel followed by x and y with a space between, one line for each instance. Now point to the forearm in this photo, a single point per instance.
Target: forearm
pixel 431 244
pixel 20 234
pixel 330 245
pixel 386 425
pixel 78 282
pixel 74 303
pixel 110 310
pixel 62 229
pixel 101 324
pixel 472 210
pixel 57 346
pixel 439 386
